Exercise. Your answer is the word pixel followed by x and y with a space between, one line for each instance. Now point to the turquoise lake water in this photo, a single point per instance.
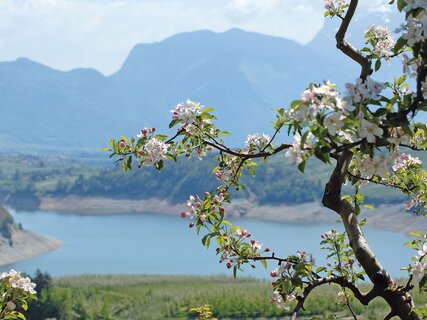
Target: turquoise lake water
pixel 159 244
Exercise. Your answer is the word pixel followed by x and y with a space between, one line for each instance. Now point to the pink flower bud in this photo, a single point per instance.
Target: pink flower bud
pixel 253 241
pixel 267 249
pixel 10 306
pixel 183 214
pixel 144 132
pixel 228 265
pixel 122 143
pixel 274 283
pixel 191 225
pixel 153 129
pixel 141 152
pixel 273 274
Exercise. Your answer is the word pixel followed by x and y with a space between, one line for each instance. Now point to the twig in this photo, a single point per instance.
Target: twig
pixel 347 48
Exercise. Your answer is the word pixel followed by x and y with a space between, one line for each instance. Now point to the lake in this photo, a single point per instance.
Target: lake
pixel 161 244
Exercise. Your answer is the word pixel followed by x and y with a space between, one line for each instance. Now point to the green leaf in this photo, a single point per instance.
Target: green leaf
pixel 423 284
pixel 206 240
pixel 173 123
pixel 320 269
pixel 301 166
pixel 295 103
pixel 401 4
pixel 264 263
pixel 399 45
pixel 24 305
pixel 380 112
pixel 377 65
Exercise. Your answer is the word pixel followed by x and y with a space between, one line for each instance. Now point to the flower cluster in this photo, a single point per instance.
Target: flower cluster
pixel 418 269
pixel 154 150
pixel 16 280
pixel 193 203
pixel 363 90
pixel 294 271
pixel 373 166
pixel 144 132
pixel 328 234
pixel 334 7
pixel 343 260
pixel 236 252
pixel 255 142
pixel 381 40
pixel 283 301
pixel 186 112
pixel 314 100
pixel 297 152
pixel 404 161
pixel 415 28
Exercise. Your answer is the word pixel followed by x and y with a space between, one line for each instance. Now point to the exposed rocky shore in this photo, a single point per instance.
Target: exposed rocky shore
pixel 386 217
pixel 24 245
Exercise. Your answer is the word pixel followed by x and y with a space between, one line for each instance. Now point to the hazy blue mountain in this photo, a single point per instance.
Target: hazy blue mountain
pixel 243 75
pixel 45 108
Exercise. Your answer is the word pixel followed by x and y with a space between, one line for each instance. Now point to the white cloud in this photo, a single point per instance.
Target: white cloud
pixel 249 7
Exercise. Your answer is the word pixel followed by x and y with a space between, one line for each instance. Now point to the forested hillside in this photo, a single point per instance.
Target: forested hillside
pixel 24 180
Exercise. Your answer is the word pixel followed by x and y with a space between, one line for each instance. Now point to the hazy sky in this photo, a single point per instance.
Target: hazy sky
pixel 67 34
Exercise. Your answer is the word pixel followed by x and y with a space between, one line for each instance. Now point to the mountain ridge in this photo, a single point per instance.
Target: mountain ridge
pixel 236 72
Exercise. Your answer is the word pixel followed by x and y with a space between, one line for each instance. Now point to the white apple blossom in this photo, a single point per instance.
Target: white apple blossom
pixel 418 271
pixel 369 130
pixel 410 65
pixel 186 112
pixel 154 151
pixel 369 89
pixel 414 30
pixel 404 161
pixel 423 251
pixel 376 166
pixel 333 5
pixel 255 142
pixel 16 280
pixel 342 300
pixel 398 136
pixel 283 302
pixel 334 122
pixel 255 245
pixel 383 41
pixel 296 152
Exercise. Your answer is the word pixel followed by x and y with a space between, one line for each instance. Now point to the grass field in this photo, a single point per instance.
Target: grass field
pixel 170 297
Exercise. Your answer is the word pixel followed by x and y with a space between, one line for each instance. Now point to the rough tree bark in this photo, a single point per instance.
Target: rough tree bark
pixel 398 299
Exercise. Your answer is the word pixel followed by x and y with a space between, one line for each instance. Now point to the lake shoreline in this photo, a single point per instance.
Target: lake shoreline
pixel 385 217
pixel 24 245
